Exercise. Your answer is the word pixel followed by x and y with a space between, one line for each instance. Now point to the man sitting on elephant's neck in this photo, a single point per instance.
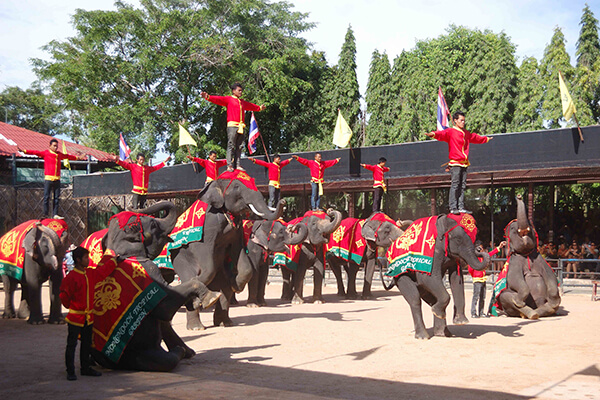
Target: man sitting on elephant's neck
pixel 458 139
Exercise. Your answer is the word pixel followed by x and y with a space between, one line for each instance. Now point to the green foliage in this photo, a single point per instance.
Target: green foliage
pixel 588 44
pixel 379 108
pixel 30 109
pixel 529 98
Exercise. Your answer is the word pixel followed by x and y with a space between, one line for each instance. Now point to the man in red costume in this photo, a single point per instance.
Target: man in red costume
pixel 274 177
pixel 378 182
pixel 52 158
pixel 479 280
pixel 235 121
pixel 211 165
pixel 317 171
pixel 140 175
pixel 458 139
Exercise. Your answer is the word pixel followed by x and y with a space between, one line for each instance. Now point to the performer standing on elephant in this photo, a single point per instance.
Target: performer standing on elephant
pixel 140 175
pixel 378 183
pixel 52 158
pixel 274 176
pixel 317 171
pixel 211 165
pixel 479 281
pixel 77 294
pixel 458 139
pixel 235 121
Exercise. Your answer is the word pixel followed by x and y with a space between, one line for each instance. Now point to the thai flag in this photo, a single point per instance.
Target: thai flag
pixel 124 150
pixel 253 135
pixel 442 112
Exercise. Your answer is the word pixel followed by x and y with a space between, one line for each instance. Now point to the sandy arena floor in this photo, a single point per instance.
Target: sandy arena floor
pixel 338 350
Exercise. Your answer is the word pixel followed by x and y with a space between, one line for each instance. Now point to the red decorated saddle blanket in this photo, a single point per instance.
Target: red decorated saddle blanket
pixel 121 302
pixel 346 242
pixel 12 253
pixel 247 224
pixel 188 228
pixel 93 244
pixel 413 251
pixel 289 259
pixel 241 176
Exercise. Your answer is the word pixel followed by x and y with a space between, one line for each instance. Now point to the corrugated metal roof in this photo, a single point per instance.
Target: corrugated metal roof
pixel 12 136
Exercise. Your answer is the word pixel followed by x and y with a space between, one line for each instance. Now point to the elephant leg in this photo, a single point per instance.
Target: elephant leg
pixel 221 313
pixel 435 286
pixel 55 305
pixel 457 287
pixel 368 281
pixel 298 283
pixel 172 339
pixel 351 271
pixel 10 285
pixel 34 292
pixel 335 265
pixel 23 311
pixel 244 268
pixel 253 291
pixel 439 325
pixel 319 268
pixel 507 300
pixel 410 292
pixel 287 292
pixel 180 294
pixel 157 359
pixel 263 276
pixel 516 281
pixel 552 292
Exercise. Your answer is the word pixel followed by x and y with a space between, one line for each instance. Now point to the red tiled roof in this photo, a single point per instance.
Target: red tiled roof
pixel 12 136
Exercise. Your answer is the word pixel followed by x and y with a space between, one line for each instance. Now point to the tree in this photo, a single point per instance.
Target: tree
pixel 588 44
pixel 379 107
pixel 138 71
pixel 527 115
pixel 31 109
pixel 587 74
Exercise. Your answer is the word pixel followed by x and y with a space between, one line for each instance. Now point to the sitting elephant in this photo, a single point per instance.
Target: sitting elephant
pixel 267 237
pixel 356 242
pixel 419 258
pixel 311 253
pixel 527 287
pixel 219 256
pixel 31 254
pixel 134 306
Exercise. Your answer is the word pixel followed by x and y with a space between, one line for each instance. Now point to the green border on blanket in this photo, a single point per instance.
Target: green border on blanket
pixel 163 262
pixel 281 259
pixel 499 287
pixel 10 269
pixel 191 234
pixel 410 262
pixel 343 254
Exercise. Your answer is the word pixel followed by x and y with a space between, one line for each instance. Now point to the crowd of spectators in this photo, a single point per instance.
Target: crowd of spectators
pixel 586 250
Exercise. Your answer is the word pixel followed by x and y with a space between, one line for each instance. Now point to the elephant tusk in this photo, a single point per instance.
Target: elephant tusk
pixel 272 209
pixel 255 211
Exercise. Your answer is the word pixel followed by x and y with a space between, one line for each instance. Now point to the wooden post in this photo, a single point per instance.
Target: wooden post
pixel 432 196
pixel 304 199
pixel 492 209
pixel 552 192
pixel 530 204
pixel 351 205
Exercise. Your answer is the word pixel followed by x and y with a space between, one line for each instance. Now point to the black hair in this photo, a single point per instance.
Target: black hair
pixel 53 141
pixel 140 155
pixel 457 114
pixel 382 159
pixel 276 155
pixel 318 153
pixel 210 153
pixel 79 253
pixel 235 85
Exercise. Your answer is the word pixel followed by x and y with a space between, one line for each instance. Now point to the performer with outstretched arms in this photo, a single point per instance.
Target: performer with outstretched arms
pixel 52 158
pixel 140 175
pixel 378 182
pixel 211 165
pixel 458 139
pixel 274 176
pixel 235 121
pixel 317 170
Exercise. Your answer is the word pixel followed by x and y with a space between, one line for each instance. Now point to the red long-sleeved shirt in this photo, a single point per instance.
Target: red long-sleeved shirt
pixel 211 167
pixel 140 175
pixel 378 172
pixel 77 289
pixel 317 169
pixel 235 109
pixel 458 144
pixel 479 276
pixel 51 162
pixel 274 171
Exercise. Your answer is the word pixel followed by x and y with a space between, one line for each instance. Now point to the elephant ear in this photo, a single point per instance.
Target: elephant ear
pixel 260 235
pixel 212 194
pixel 368 232
pixel 30 241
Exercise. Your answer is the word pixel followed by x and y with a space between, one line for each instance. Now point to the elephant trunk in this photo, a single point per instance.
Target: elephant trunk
pixel 167 223
pixel 522 223
pixel 56 243
pixel 291 238
pixel 257 205
pixel 477 260
pixel 336 218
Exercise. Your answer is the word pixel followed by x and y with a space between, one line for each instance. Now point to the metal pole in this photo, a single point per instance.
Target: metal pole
pixel 493 209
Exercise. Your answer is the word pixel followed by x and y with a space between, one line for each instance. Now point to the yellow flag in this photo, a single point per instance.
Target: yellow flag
pixel 66 162
pixel 342 132
pixel 567 102
pixel 185 137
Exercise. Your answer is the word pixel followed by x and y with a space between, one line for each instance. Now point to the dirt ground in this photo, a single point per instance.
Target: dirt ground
pixel 338 350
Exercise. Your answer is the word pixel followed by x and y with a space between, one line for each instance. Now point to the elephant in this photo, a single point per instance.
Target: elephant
pixel 44 251
pixel 310 254
pixel 531 287
pixel 451 242
pixel 268 237
pixel 141 237
pixel 378 230
pixel 228 198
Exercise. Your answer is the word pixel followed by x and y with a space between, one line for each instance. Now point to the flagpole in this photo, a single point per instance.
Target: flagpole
pixel 190 154
pixel 264 147
pixel 578 128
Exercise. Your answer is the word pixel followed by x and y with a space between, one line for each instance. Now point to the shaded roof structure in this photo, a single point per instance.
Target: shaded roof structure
pixel 548 156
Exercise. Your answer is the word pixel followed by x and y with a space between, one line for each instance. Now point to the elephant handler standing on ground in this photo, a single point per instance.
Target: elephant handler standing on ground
pixel 77 294
pixel 378 182
pixel 52 158
pixel 479 281
pixel 235 121
pixel 317 171
pixel 140 175
pixel 458 139
pixel 274 176
pixel 211 165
